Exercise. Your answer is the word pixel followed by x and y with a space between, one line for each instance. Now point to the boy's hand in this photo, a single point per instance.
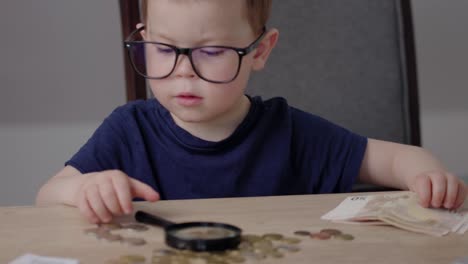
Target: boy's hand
pixel 105 194
pixel 439 189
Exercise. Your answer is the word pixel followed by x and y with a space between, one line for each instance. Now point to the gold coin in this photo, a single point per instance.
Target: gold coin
pixel 258 254
pixel 236 259
pixel 163 252
pixel 132 259
pixel 345 237
pixel 288 248
pixel 251 238
pixel 291 240
pixel 134 241
pixel 320 236
pixel 179 260
pixel 217 262
pixel 276 254
pixel 272 236
pixel 263 244
pixel 234 253
pixel 161 260
pixel 302 233
pixel 203 254
pixel 332 232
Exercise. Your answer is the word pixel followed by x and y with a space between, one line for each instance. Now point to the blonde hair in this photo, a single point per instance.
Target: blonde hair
pixel 258 12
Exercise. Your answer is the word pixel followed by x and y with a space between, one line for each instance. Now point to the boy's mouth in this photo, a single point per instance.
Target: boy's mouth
pixel 188 99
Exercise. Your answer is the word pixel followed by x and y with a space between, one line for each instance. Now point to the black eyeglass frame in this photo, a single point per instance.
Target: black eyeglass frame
pixel 241 52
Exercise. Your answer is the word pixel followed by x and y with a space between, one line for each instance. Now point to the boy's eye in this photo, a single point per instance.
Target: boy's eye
pixel 212 51
pixel 164 49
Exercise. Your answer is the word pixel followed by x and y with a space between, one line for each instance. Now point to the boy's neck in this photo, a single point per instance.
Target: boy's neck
pixel 219 129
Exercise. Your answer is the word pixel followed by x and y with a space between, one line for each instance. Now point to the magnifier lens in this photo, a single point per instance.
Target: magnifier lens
pixel 196 236
pixel 203 232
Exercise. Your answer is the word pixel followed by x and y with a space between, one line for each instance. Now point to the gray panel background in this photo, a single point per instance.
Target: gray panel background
pixel 340 60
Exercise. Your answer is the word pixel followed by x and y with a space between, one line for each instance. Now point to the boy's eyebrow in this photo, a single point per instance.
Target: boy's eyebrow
pixel 161 35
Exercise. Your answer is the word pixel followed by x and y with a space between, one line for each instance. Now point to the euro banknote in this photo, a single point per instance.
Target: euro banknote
pixel 400 209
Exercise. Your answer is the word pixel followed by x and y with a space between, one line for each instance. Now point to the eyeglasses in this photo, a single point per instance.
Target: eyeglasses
pixel 216 64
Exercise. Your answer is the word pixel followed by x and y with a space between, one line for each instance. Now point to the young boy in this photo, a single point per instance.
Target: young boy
pixel 203 137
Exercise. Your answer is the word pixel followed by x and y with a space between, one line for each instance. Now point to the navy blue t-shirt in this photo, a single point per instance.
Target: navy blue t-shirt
pixel 276 150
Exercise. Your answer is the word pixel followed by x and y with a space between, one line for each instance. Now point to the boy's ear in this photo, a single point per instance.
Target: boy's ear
pixel 264 49
pixel 143 32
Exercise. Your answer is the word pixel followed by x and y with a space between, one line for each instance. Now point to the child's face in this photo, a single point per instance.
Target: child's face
pixel 190 23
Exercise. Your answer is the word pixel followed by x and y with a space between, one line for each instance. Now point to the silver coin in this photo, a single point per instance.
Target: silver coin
pixel 135 227
pixel 110 226
pixel 302 233
pixel 134 241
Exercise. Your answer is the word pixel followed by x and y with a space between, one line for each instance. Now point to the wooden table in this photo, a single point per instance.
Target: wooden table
pixel 58 231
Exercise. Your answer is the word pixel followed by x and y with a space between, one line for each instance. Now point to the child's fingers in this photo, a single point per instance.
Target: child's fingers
pixel 122 187
pixel 439 187
pixel 143 190
pixel 109 197
pixel 461 195
pixel 86 210
pixel 423 189
pixel 97 205
pixel 452 191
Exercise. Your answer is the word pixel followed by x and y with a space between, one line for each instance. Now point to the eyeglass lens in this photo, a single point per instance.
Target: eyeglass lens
pixel 216 64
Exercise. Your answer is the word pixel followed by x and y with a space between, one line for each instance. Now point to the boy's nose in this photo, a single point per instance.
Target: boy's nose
pixel 184 67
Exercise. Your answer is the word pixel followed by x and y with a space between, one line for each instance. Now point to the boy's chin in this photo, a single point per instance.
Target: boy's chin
pixel 191 118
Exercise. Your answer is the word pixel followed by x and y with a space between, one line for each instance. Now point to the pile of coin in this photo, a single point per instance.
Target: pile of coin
pixel 325 234
pixel 252 247
pixel 104 232
pixel 128 259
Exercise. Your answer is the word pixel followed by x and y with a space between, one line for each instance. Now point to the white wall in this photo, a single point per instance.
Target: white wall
pixel 61 73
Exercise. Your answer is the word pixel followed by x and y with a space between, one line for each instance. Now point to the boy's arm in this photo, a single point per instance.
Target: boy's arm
pixel 61 188
pixel 98 195
pixel 414 168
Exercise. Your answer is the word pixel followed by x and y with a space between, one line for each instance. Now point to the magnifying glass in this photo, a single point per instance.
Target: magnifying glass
pixel 196 236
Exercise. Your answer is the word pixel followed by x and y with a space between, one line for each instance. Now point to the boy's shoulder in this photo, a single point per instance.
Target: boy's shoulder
pixel 277 105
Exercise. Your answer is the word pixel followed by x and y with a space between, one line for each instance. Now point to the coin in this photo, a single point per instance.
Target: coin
pixel 92 231
pixel 251 248
pixel 272 236
pixel 276 254
pixel 134 259
pixel 263 244
pixel 320 236
pixel 135 227
pixel 289 248
pixel 302 233
pixel 111 237
pixel 345 237
pixel 251 238
pixel 291 240
pixel 163 252
pixel 236 259
pixel 110 226
pixel 332 232
pixel 134 241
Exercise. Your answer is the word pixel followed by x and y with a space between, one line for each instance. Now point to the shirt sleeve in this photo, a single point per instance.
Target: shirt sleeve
pixel 330 155
pixel 346 152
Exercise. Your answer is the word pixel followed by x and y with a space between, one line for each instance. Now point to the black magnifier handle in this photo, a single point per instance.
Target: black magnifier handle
pixel 148 218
